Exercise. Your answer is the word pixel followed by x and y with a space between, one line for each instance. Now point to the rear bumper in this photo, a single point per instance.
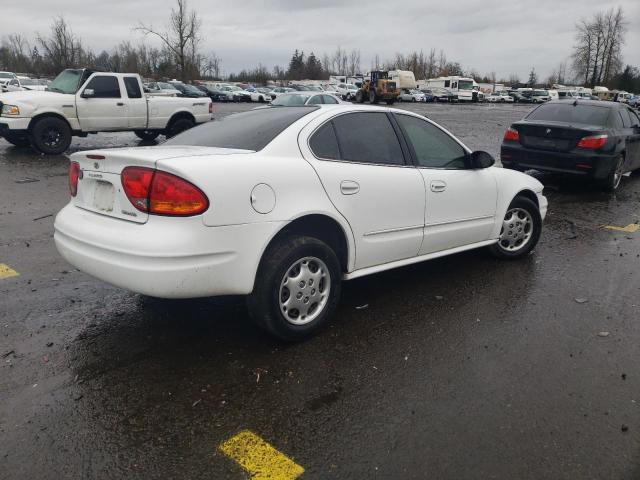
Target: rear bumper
pixel 165 257
pixel 576 162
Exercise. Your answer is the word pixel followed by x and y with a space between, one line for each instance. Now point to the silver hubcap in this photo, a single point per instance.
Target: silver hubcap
pixel 304 290
pixel 517 228
pixel 617 176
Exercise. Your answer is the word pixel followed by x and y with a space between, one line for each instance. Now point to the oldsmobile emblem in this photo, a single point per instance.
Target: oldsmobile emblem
pixel 548 131
pixel 96 165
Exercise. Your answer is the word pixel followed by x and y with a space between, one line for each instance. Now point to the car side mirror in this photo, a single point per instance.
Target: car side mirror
pixel 480 159
pixel 88 93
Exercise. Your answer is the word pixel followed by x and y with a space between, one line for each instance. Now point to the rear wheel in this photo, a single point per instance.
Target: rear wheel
pixel 373 98
pixel 390 101
pixel 360 96
pixel 17 140
pixel 520 232
pixel 51 136
pixel 612 182
pixel 147 135
pixel 179 126
pixel 297 288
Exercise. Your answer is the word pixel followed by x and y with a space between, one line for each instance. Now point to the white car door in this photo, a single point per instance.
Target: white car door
pixel 136 103
pixel 461 201
pixel 100 104
pixel 362 166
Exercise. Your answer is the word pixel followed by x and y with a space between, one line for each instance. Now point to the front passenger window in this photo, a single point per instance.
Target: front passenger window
pixel 433 147
pixel 104 87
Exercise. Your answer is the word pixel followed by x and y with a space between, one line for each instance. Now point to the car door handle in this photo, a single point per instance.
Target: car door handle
pixel 349 187
pixel 120 104
pixel 438 186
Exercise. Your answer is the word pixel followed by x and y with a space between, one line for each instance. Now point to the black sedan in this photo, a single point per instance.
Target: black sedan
pixel 213 93
pixel 188 90
pixel 584 137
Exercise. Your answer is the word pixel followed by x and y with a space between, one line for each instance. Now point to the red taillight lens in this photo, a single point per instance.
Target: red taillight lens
pixel 593 143
pixel 512 135
pixel 74 175
pixel 162 193
pixel 210 107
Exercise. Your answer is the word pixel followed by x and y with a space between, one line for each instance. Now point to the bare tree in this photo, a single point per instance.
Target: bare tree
pixel 62 48
pixel 181 36
pixel 354 62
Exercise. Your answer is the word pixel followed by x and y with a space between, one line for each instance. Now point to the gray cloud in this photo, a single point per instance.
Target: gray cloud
pixel 492 35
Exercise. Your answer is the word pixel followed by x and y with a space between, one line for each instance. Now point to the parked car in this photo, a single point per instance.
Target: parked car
pixel 299 88
pixel 411 95
pixel 236 94
pixel 500 97
pixel 428 95
pixel 188 91
pixel 256 204
pixel 260 96
pixel 347 91
pixel 443 94
pixel 19 84
pixel 281 90
pixel 585 137
pixel 297 99
pixel 519 97
pixel 82 101
pixel 634 101
pixel 213 93
pixel 5 77
pixel 162 89
pixel 568 95
pixel 540 96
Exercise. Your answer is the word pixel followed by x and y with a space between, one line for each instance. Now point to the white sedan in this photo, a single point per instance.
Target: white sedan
pixel 407 95
pixel 284 203
pixel 500 97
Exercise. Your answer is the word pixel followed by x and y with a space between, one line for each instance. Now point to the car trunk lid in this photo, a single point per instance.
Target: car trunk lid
pixel 553 136
pixel 100 187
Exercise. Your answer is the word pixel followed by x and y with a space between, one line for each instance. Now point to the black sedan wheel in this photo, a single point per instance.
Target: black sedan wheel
pixel 612 182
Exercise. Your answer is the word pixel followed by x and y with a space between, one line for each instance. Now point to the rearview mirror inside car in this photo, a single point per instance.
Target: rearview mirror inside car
pixel 480 159
pixel 88 93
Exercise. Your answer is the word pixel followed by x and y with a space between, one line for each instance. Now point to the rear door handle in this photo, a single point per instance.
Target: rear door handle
pixel 349 187
pixel 438 186
pixel 120 104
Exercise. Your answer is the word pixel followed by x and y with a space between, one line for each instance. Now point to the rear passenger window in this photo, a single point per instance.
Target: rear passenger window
pixel 635 121
pixel 133 87
pixel 104 87
pixel 626 119
pixel 368 138
pixel 323 143
pixel 328 99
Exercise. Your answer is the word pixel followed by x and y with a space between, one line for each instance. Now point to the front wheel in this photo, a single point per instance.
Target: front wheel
pixel 297 288
pixel 520 231
pixel 390 101
pixel 360 96
pixel 51 136
pixel 147 135
pixel 373 98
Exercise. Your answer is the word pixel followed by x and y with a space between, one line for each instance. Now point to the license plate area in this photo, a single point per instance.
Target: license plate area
pixel 103 196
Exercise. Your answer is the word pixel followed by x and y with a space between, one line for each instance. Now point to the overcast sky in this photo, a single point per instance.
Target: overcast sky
pixel 505 36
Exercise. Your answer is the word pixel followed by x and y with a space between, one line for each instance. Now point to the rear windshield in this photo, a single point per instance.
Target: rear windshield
pixel 570 113
pixel 252 130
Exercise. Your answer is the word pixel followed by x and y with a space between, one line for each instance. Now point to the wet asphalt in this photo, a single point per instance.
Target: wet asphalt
pixel 460 368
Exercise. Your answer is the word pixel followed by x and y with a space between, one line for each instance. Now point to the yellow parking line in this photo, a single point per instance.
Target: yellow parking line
pixel 7 272
pixel 631 228
pixel 259 458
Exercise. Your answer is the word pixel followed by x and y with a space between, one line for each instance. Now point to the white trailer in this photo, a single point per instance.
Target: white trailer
pixel 465 87
pixel 403 78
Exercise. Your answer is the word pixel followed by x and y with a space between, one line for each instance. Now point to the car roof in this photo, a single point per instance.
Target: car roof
pixel 581 101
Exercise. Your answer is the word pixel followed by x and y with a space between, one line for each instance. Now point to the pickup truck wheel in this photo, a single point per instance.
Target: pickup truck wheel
pixel 17 140
pixel 147 135
pixel 50 135
pixel 179 126
pixel 297 288
pixel 520 232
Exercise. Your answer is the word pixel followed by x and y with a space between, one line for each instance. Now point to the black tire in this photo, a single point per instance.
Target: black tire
pixel 17 140
pixel 390 102
pixel 500 250
pixel 179 126
pixel 147 135
pixel 264 303
pixel 413 100
pixel 360 96
pixel 373 98
pixel 50 135
pixel 612 181
pixel 261 99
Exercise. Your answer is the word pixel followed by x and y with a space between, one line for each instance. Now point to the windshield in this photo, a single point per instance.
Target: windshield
pixel 252 130
pixel 6 75
pixel 67 82
pixel 570 113
pixel 290 100
pixel 465 85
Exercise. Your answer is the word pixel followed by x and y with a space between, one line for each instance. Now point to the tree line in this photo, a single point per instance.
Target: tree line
pixel 596 57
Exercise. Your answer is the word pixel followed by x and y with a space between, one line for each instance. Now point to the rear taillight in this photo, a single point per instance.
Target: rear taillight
pixel 593 142
pixel 162 193
pixel 512 135
pixel 74 175
pixel 210 107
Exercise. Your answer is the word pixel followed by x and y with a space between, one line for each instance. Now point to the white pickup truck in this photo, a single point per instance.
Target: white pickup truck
pixel 82 101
